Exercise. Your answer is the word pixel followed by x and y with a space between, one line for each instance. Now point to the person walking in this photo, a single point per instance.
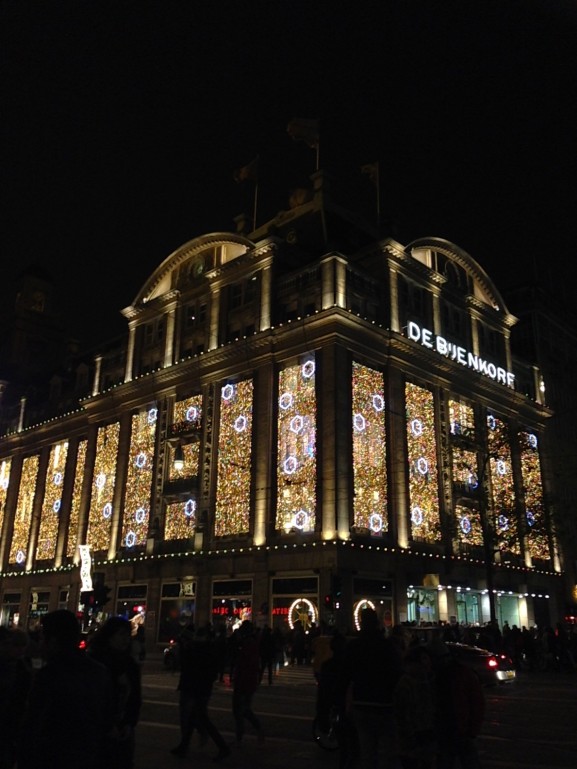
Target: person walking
pixel 246 677
pixel 68 714
pixel 371 669
pixel 199 668
pixel 111 645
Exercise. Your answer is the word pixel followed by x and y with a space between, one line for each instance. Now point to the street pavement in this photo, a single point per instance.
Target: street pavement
pixel 529 724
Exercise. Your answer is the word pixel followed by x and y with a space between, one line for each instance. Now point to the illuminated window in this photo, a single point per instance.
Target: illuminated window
pixel 296 460
pixel 24 505
pixel 4 483
pixel 50 515
pixel 422 458
pixel 369 449
pixel 187 417
pixel 535 524
pixel 232 511
pixel 103 481
pixel 503 487
pixel 468 529
pixel 461 419
pixel 74 519
pixel 180 520
pixel 139 479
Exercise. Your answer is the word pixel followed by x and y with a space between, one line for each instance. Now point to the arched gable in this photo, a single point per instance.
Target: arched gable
pixel 200 254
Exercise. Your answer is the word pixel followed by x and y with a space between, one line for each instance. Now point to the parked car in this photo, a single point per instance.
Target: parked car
pixel 491 668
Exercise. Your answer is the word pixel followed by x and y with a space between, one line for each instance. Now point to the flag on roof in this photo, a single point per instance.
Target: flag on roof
pixel 246 173
pixel 304 130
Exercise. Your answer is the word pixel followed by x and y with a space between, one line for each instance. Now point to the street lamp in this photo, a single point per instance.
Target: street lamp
pixel 178 459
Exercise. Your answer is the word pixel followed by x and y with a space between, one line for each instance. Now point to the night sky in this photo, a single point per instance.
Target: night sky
pixel 123 122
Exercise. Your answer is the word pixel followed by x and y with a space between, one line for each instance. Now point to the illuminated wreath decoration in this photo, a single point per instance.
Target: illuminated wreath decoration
pixel 304 610
pixel 362 604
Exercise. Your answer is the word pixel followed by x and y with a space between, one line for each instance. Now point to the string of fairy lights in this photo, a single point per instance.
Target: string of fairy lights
pixel 104 478
pixel 136 508
pixel 50 515
pixel 24 506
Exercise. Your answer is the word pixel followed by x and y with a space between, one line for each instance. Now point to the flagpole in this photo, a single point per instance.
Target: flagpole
pixel 255 204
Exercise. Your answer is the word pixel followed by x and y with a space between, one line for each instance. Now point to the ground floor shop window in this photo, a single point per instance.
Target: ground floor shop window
pixel 422 605
pixel 468 608
pixel 39 603
pixel 10 612
pixel 231 602
pixel 177 605
pixel 294 600
pixel 507 610
pixel 374 594
pixel 131 600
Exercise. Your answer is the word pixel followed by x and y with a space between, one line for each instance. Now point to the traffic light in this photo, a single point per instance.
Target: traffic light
pixel 101 595
pixel 87 599
pixel 329 601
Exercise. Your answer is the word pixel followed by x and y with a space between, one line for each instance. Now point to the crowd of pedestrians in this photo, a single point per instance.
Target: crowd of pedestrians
pixel 399 699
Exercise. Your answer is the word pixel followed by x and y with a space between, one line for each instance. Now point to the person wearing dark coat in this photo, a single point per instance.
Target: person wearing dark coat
pixel 246 678
pixel 112 647
pixel 371 668
pixel 68 715
pixel 199 667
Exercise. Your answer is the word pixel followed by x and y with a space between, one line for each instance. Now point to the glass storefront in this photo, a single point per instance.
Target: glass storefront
pixel 294 600
pixel 422 605
pixel 10 612
pixel 375 594
pixel 177 605
pixel 39 604
pixel 131 600
pixel 231 602
pixel 468 607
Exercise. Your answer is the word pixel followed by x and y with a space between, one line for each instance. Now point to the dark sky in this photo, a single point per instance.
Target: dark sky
pixel 122 124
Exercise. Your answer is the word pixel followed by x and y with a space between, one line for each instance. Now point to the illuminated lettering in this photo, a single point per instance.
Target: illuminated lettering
pixel 459 354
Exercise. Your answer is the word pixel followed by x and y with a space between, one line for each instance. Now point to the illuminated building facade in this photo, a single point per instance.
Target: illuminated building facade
pixel 298 421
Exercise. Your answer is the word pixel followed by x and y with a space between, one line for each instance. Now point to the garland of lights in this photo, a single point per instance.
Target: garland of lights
pixel 307 618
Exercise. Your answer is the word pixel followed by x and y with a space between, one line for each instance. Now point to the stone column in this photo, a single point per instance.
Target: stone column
pixel 120 485
pixel 130 352
pixel 398 507
pixel 264 453
pixel 214 318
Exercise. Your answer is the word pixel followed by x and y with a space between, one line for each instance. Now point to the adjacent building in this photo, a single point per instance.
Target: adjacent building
pixel 301 420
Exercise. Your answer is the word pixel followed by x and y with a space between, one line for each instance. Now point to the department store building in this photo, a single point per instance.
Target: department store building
pixel 301 420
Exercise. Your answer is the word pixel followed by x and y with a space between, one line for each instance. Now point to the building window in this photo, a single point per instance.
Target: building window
pixel 232 510
pixel 103 483
pixel 139 478
pixel 177 606
pixel 24 506
pixel 422 458
pixel 231 602
pixel 50 515
pixel 296 448
pixel 369 450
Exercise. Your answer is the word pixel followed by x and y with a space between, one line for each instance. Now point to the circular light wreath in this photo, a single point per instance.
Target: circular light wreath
pixel 285 401
pixel 465 525
pixel 100 481
pixel 532 441
pixel 359 423
pixel 376 522
pixel 364 603
pixel 152 416
pixel 530 517
pixel 417 516
pixel 300 519
pixel 501 467
pixel 56 506
pixel 140 460
pixel 130 539
pixel 290 465
pixel 503 522
pixel 308 369
pixel 140 515
pixel 491 422
pixel 240 424
pixel 227 392
pixel 422 465
pixel 296 424
pixel 107 510
pixel 20 556
pixel 417 427
pixel 191 414
pixel 378 403
pixel 312 611
pixel 57 479
pixel 189 508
